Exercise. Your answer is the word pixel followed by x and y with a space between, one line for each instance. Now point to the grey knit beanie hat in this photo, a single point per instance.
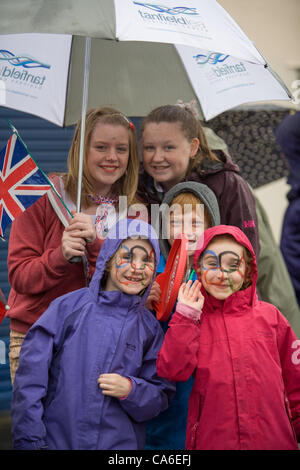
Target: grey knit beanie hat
pixel 201 191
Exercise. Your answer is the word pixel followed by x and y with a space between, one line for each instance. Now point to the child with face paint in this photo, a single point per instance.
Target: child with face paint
pixel 44 239
pixel 87 375
pixel 242 352
pixel 190 208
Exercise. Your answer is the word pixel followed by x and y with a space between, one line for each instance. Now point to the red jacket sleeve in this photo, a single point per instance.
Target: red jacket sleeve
pixel 35 260
pixel 177 358
pixel 289 350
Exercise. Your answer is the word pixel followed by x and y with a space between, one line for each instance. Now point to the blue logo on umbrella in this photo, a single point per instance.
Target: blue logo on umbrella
pixel 25 61
pixel 171 11
pixel 211 58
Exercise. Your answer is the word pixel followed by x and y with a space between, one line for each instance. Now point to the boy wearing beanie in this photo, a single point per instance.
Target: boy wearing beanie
pixel 190 208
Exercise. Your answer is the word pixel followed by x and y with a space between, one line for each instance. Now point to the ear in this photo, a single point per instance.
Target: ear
pixel 194 147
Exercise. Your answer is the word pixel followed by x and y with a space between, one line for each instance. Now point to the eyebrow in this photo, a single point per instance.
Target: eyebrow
pixel 130 251
pixel 106 142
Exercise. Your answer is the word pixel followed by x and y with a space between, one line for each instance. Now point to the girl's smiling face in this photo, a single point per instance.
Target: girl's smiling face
pixel 132 267
pixel 167 152
pixel 108 155
pixel 222 267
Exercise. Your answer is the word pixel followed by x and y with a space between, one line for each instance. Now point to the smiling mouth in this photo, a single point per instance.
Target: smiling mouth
pixel 134 279
pixel 160 168
pixel 109 169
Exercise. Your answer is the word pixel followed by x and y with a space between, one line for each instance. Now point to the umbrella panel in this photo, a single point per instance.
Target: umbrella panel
pixel 250 138
pixel 133 77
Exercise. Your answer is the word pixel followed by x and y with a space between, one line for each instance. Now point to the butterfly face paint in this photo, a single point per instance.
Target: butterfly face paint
pixel 133 267
pixel 222 268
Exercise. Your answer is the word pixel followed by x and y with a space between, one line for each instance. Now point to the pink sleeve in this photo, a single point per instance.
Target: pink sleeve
pixel 178 356
pixel 189 312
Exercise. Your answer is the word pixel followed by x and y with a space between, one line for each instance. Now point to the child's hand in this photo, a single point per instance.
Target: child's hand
pixel 154 296
pixel 190 294
pixel 83 225
pixel 114 385
pixel 79 231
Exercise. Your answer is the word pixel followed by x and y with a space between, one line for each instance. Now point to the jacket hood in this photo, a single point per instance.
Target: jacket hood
pixel 125 228
pixel 288 138
pixel 241 238
pixel 203 192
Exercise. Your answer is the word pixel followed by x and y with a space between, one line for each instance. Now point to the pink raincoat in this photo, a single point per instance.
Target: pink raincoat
pixel 246 361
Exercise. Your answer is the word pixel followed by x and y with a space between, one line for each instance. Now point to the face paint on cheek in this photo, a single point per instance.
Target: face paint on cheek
pixel 214 282
pixel 230 283
pixel 126 283
pixel 121 261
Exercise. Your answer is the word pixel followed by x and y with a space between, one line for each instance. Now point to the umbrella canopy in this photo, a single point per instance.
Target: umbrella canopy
pixel 250 138
pixel 199 23
pixel 134 63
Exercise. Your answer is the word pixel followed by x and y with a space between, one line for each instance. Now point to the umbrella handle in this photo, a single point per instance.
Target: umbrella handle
pixel 75 259
pixel 85 92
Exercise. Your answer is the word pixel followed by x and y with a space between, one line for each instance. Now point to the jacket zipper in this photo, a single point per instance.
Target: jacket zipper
pixel 195 426
pixel 194 434
pixel 289 413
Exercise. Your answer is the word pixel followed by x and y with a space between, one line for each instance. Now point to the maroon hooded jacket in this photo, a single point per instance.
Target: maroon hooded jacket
pixel 246 361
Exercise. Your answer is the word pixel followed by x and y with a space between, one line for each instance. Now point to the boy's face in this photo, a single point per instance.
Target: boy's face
pixel 222 267
pixel 132 268
pixel 192 223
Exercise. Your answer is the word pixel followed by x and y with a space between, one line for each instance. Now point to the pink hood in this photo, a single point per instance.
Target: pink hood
pixel 248 295
pixel 242 354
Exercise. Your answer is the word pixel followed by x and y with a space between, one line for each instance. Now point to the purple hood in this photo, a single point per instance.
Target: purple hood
pixel 125 228
pixel 57 402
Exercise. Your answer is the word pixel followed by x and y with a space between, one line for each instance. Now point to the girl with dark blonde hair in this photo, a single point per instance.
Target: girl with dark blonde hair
pixel 127 184
pixel 45 239
pixel 175 149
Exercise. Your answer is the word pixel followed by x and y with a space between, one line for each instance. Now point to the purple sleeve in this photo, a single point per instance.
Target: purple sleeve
pixel 150 394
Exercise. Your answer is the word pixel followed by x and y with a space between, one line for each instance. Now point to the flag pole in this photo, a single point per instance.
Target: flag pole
pixel 83 116
pixel 85 92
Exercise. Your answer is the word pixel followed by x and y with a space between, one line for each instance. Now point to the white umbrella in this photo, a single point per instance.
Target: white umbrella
pixel 135 65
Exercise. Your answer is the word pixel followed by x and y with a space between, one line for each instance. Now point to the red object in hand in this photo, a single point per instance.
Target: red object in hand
pixel 170 280
pixel 2 311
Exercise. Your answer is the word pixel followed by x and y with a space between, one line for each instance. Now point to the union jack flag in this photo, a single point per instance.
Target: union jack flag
pixel 21 181
pixel 3 305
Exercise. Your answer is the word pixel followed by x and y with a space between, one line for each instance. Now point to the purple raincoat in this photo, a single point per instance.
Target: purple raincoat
pixel 57 402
